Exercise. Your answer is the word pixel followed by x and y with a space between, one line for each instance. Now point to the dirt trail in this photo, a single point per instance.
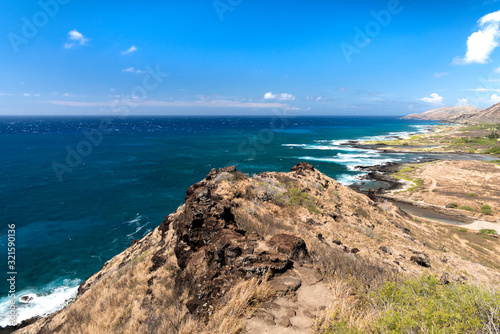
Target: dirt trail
pixel 301 296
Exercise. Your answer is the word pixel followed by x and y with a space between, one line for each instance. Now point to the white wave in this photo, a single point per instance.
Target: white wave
pixel 347 179
pixel 350 160
pixel 46 302
pixel 355 156
pixel 136 220
pixel 294 145
pixel 137 230
pixel 317 159
pixel 320 147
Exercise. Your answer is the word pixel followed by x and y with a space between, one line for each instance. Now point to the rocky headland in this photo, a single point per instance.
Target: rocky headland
pixel 273 253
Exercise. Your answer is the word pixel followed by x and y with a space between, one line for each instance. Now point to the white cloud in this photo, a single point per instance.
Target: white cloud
pixel 75 37
pixel 133 70
pixel 130 50
pixel 495 99
pixel 26 94
pixel 440 75
pixel 464 103
pixel 433 99
pixel 497 70
pixel 482 43
pixel 482 90
pixel 281 97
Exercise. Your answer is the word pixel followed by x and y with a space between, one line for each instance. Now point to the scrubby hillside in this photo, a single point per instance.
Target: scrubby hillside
pixel 276 253
pixel 446 114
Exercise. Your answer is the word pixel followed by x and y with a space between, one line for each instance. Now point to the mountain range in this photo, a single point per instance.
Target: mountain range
pixel 461 114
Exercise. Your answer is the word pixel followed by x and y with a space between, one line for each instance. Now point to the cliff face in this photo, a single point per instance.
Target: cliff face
pixel 272 240
pixel 449 114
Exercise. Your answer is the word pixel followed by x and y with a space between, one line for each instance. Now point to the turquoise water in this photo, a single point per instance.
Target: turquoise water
pixel 69 221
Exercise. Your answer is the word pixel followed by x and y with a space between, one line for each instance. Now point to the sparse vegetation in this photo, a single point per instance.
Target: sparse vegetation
pixel 422 305
pixel 486 210
pixel 472 195
pixel 297 197
pixel 493 150
pixel 488 231
pixel 457 138
pixel 466 208
pixel 452 205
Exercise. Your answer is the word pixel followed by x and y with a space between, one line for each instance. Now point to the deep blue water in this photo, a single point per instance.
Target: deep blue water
pixel 72 219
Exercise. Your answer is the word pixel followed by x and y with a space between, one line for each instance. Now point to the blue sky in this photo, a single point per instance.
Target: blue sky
pixel 68 57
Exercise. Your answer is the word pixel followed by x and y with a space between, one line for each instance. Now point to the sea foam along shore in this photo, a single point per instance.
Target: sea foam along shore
pixel 48 300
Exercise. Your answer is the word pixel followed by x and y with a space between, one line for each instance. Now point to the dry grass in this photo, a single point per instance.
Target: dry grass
pixel 346 308
pixel 242 300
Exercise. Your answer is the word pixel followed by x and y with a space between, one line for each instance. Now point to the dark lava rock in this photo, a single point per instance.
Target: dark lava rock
pixel 214 253
pixel 301 167
pixel 421 260
pixel 355 251
pixel 291 245
pixel 386 250
pixel 444 279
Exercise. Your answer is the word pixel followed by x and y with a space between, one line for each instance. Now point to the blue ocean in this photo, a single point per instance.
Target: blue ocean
pixel 80 189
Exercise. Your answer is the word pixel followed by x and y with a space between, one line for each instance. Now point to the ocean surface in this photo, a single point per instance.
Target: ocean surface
pixel 79 190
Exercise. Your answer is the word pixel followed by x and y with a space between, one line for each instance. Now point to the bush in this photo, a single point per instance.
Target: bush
pixel 472 195
pixel 487 231
pixel 466 208
pixel 426 306
pixel 493 150
pixel 486 209
pixel 452 205
pixel 421 305
pixel 297 197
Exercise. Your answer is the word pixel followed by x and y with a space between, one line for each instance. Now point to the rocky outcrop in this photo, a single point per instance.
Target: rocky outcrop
pixel 208 237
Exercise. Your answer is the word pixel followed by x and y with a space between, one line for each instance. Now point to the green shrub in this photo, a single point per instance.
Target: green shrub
pixel 472 195
pixel 422 305
pixel 495 162
pixel 487 231
pixel 493 150
pixel 452 205
pixel 297 197
pixel 486 209
pixel 426 306
pixel 466 208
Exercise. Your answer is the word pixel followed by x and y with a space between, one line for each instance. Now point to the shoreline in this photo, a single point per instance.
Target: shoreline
pixel 385 173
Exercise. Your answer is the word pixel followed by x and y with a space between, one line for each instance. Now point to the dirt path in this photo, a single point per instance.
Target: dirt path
pixel 433 184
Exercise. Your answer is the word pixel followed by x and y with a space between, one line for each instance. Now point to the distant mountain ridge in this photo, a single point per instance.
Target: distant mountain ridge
pixel 446 114
pixel 490 115
pixel 463 114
